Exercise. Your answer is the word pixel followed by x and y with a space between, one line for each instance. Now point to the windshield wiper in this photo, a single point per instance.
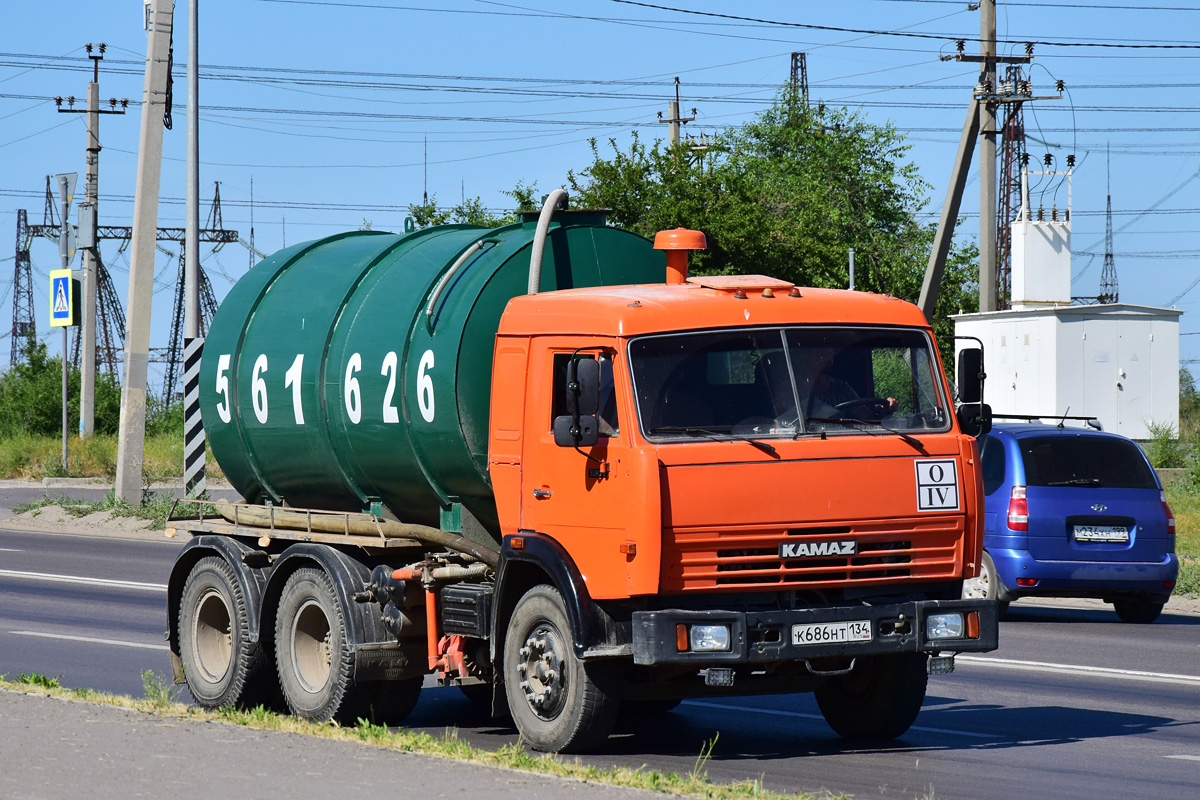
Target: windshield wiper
pixel 713 433
pixel 1076 482
pixel 876 428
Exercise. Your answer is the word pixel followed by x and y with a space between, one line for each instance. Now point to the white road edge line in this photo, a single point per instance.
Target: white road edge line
pixel 1185 758
pixel 90 640
pixel 45 576
pixel 776 713
pixel 1076 669
pixel 11 550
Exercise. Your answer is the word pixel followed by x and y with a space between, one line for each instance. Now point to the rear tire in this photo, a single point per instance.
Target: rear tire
pixel 1139 611
pixel 557 700
pixel 312 653
pixel 879 699
pixel 222 667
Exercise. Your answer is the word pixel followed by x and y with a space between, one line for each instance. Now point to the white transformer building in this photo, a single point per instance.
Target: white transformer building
pixel 1045 357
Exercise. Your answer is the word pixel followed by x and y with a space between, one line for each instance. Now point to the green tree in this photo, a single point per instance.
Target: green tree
pixel 787 195
pixel 473 211
pixel 31 396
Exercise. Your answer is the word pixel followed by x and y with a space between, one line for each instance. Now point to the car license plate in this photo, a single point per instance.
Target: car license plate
pixel 827 632
pixel 1101 533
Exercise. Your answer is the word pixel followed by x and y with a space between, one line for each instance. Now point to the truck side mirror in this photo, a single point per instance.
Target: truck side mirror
pixel 970 375
pixel 975 419
pixel 582 431
pixel 579 426
pixel 583 387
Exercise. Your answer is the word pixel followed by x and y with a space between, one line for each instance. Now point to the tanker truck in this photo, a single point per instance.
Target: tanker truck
pixel 542 463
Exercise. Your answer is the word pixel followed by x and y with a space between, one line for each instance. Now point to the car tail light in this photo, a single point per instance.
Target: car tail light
pixel 1027 582
pixel 1170 514
pixel 1018 510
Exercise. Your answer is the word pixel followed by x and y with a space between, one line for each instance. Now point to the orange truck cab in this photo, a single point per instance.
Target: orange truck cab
pixel 738 486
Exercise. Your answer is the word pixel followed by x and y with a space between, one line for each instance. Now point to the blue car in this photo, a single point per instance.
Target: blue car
pixel 1073 512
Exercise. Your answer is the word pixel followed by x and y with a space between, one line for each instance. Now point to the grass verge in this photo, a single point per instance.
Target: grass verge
pixel 26 457
pixel 154 508
pixel 1185 502
pixel 160 700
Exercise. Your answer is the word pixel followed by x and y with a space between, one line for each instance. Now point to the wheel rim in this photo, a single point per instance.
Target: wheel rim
pixel 312 650
pixel 212 636
pixel 541 671
pixel 977 588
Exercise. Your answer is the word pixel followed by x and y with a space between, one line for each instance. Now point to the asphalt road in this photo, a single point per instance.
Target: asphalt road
pixel 1073 705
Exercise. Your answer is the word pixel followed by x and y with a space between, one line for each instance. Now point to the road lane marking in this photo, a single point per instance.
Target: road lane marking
pixel 776 713
pixel 11 550
pixel 90 640
pixel 46 576
pixel 1185 758
pixel 1075 669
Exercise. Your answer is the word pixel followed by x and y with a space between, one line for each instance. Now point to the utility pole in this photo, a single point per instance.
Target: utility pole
pixel 88 217
pixel 132 437
pixel 987 157
pixel 193 344
pixel 673 118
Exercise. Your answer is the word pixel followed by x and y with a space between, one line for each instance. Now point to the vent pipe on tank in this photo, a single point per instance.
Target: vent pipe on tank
pixel 556 198
pixel 677 243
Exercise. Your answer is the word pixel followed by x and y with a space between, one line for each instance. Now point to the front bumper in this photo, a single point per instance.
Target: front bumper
pixel 766 636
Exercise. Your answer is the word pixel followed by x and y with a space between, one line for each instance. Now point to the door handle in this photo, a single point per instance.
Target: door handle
pixel 542 494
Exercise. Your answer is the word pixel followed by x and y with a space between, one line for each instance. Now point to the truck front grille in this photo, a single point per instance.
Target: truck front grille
pixel 730 559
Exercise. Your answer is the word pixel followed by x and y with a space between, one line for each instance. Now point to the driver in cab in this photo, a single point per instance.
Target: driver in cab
pixel 832 398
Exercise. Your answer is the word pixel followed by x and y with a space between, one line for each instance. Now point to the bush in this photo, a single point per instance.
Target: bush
pixel 1165 449
pixel 31 397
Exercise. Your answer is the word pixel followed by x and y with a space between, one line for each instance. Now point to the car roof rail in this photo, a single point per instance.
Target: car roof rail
pixel 1091 422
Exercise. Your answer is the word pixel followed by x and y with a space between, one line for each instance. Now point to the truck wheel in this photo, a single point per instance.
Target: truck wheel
pixel 390 702
pixel 314 660
pixel 987 585
pixel 879 699
pixel 1140 610
pixel 221 666
pixel 556 699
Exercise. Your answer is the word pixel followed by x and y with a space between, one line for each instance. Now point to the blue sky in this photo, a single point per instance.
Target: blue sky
pixel 328 104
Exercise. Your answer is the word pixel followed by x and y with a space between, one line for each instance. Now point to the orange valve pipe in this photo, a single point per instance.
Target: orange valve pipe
pixel 677 243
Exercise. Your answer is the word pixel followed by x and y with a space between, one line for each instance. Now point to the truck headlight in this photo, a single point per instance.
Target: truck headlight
pixel 708 638
pixel 944 626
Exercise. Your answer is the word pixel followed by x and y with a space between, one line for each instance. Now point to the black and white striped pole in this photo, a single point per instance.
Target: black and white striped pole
pixel 193 428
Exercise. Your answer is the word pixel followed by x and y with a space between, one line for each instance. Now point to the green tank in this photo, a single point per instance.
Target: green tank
pixel 354 372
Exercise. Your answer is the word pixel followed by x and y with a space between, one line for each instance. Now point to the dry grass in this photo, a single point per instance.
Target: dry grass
pixel 25 457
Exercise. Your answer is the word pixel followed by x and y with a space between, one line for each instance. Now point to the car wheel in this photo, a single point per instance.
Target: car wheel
pixel 987 585
pixel 1139 610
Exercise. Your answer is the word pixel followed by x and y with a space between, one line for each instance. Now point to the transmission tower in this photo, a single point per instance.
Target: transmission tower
pixel 110 324
pixel 208 301
pixel 1013 157
pixel 799 80
pixel 1108 278
pixel 23 321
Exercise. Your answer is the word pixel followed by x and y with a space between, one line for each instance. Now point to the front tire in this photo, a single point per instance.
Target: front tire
pixel 879 699
pixel 312 654
pixel 222 667
pixel 556 700
pixel 987 585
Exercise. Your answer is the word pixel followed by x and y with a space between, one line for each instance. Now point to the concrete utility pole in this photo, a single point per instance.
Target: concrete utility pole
pixel 132 436
pixel 193 428
pixel 89 216
pixel 673 118
pixel 987 158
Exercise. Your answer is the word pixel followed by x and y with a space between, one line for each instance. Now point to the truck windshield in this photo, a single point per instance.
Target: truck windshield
pixel 786 382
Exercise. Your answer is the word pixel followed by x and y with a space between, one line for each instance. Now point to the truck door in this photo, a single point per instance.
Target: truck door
pixel 592 500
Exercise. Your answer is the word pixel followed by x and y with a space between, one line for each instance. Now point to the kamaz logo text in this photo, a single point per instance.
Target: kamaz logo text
pixel 817 549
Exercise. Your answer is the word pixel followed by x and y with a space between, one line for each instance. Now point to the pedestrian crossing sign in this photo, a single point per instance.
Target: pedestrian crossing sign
pixel 63 295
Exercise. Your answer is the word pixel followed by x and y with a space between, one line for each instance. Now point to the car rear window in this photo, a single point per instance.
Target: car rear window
pixel 1085 461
